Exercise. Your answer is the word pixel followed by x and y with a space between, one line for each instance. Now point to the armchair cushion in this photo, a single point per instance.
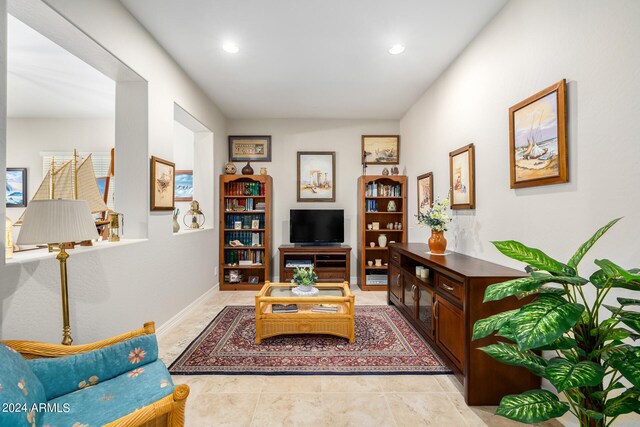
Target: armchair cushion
pixel 110 400
pixel 20 391
pixel 63 375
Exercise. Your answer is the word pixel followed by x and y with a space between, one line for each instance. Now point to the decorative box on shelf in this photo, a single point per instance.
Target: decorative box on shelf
pixel 245 237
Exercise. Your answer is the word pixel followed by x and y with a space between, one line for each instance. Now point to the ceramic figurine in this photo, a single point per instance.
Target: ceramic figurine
pixel 382 240
pixel 230 169
pixel 263 171
pixel 391 206
pixel 385 171
pixel 395 170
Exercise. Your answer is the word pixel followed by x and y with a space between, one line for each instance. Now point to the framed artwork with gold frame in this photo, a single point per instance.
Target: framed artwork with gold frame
pixel 425 192
pixel 538 139
pixel 462 177
pixel 380 149
pixel 163 174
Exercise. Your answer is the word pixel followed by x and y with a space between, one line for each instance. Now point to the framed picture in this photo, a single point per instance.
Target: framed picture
pixel 103 186
pixel 16 184
pixel 316 176
pixel 538 139
pixel 237 225
pixel 425 192
pixel 462 178
pixel 162 184
pixel 183 191
pixel 254 279
pixel 250 148
pixel 255 224
pixel 380 149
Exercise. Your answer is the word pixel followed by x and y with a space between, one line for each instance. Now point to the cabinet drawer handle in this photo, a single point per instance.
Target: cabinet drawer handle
pixel 448 288
pixel 435 310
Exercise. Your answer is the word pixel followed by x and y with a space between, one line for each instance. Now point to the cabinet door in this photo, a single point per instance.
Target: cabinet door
pixel 395 282
pixel 450 330
pixel 425 309
pixel 409 291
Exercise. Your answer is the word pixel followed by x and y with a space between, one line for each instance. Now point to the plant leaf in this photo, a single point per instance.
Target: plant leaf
pixel 584 248
pixel 511 355
pixel 594 415
pixel 498 291
pixel 628 401
pixel 620 277
pixel 484 327
pixel 541 290
pixel 534 257
pixel 631 319
pixel 544 320
pixel 628 301
pixel 628 366
pixel 565 375
pixel 562 343
pixel 533 406
pixel 506 332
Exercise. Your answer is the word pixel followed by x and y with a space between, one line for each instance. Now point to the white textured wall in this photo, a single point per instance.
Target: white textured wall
pixel 293 135
pixel 28 138
pixel 119 288
pixel 527 47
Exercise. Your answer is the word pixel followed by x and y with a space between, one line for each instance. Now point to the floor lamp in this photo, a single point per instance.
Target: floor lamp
pixel 59 222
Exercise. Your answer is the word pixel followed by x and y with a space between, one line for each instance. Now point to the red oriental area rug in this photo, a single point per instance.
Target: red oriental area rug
pixel 386 344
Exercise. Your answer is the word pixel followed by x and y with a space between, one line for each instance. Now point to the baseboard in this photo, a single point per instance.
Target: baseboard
pixel 166 326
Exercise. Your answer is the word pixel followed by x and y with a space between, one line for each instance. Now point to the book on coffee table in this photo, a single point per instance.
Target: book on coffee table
pixel 325 308
pixel 284 308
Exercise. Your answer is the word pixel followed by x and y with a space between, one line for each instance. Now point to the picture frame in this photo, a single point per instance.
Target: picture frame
pixel 538 138
pixel 425 192
pixel 17 189
pixel 237 225
pixel 316 178
pixel 380 149
pixel 103 185
pixel 462 177
pixel 253 280
pixel 255 224
pixel 249 148
pixel 183 191
pixel 162 184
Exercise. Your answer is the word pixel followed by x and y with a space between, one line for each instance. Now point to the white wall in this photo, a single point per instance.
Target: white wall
pixel 117 289
pixel 27 138
pixel 527 47
pixel 293 135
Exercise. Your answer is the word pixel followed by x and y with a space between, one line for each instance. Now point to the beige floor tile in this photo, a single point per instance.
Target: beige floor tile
pixel 426 409
pixel 233 384
pixel 410 383
pixel 221 409
pixel 288 409
pixel 350 383
pixel 449 383
pixel 291 384
pixel 471 418
pixel 356 409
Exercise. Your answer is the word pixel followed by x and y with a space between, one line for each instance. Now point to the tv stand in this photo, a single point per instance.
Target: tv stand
pixel 332 262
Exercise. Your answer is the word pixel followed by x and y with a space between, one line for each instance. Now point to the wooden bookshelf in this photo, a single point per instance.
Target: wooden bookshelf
pixel 239 199
pixel 374 194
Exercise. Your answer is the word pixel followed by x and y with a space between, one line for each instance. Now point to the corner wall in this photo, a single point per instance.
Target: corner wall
pixel 117 289
pixel 528 46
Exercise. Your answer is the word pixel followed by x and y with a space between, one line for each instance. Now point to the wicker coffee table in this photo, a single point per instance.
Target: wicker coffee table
pixel 305 321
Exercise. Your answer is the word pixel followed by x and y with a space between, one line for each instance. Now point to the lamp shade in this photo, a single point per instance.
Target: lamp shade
pixel 57 221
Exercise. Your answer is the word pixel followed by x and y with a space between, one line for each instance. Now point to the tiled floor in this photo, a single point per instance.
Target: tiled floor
pixel 318 400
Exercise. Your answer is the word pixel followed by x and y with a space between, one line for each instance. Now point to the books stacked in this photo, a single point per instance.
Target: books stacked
pixel 284 308
pixel 260 206
pixel 325 308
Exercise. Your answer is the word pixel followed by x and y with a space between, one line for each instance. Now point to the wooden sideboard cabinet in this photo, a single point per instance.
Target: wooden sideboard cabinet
pixel 444 307
pixel 332 263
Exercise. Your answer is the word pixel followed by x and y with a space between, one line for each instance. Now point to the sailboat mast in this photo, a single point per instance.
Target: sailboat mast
pixel 52 192
pixel 75 174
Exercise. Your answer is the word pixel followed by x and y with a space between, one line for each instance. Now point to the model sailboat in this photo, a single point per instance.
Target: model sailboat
pixel 72 181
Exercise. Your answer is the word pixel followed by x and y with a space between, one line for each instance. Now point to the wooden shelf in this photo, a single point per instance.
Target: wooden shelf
pixel 240 183
pixel 397 183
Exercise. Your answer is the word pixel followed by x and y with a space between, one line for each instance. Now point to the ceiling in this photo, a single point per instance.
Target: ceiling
pixel 314 58
pixel 46 81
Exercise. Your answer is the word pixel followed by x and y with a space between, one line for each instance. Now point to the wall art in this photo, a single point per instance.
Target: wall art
pixel 316 176
pixel 380 149
pixel 250 148
pixel 162 184
pixel 462 178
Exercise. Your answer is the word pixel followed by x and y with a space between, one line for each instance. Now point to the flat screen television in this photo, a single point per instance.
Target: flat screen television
pixel 316 226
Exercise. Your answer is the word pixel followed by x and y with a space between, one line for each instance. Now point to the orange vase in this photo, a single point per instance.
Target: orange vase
pixel 437 242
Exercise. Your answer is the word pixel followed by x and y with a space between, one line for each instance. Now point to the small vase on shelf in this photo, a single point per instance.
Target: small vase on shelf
pixel 382 240
pixel 437 242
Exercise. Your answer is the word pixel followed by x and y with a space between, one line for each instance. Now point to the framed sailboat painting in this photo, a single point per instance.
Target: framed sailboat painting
pixel 538 139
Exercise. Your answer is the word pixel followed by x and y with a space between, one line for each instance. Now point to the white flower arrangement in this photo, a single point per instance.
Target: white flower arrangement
pixel 437 217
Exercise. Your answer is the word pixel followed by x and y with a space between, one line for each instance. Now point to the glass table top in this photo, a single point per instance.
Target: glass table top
pixel 285 291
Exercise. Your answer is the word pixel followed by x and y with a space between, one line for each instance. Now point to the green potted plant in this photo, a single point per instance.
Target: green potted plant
pixel 305 278
pixel 594 365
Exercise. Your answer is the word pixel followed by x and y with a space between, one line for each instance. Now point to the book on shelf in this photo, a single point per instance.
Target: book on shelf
pixel 284 308
pixel 325 308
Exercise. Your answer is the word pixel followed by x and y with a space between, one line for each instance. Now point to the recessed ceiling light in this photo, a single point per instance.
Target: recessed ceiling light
pixel 230 47
pixel 396 49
